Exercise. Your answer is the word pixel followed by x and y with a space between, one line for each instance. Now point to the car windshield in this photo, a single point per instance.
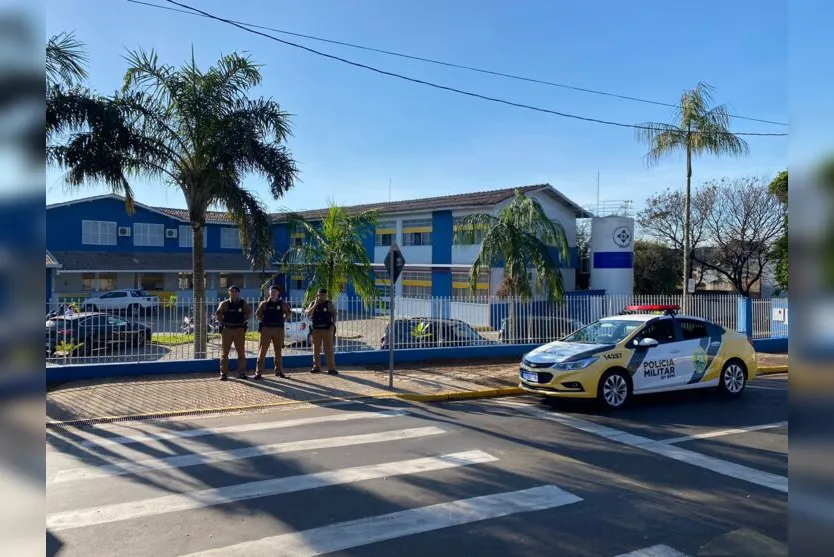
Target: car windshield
pixel 609 331
pixel 295 317
pixel 463 331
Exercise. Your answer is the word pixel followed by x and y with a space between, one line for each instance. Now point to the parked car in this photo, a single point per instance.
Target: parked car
pixel 646 349
pixel 85 332
pixel 298 327
pixel 132 301
pixel 537 329
pixel 432 332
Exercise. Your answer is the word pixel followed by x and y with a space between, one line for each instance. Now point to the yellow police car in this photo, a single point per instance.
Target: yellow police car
pixel 645 349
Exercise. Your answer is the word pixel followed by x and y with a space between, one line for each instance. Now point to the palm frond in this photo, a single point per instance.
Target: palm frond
pixel 66 60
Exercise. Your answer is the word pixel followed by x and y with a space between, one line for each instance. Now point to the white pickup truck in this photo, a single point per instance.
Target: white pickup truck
pixel 129 300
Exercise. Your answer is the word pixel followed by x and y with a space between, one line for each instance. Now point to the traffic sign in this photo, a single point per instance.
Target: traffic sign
pixel 394 256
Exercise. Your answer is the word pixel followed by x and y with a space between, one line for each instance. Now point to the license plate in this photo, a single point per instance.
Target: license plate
pixel 530 376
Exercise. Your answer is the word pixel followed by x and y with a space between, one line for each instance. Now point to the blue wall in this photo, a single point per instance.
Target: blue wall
pixel 49 273
pixel 442 232
pixel 63 228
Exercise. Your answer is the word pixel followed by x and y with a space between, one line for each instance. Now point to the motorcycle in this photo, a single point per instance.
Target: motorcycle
pixel 212 326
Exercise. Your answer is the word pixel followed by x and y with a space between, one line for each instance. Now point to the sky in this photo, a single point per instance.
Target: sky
pixel 360 137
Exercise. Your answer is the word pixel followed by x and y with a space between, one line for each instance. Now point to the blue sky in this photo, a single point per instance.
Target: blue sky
pixel 355 130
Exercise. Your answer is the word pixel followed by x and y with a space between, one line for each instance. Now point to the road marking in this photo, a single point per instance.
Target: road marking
pixel 130 439
pixel 655 551
pixel 722 433
pixel 731 469
pixel 183 461
pixel 374 529
pixel 767 387
pixel 252 490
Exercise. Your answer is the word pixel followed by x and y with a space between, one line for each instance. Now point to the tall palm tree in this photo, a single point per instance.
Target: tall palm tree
pixel 196 130
pixel 522 237
pixel 66 60
pixel 699 129
pixel 333 253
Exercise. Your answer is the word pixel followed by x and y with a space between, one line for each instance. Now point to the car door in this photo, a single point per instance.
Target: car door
pixel 118 331
pixel 698 350
pixel 653 368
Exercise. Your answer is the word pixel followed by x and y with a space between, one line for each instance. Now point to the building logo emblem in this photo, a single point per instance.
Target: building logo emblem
pixel 622 236
pixel 699 360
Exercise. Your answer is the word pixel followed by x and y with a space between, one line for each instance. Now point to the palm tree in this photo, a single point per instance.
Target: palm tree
pixel 333 253
pixel 196 130
pixel 522 237
pixel 66 60
pixel 699 128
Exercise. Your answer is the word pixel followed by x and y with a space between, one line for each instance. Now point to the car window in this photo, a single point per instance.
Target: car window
pixel 95 321
pixel 692 329
pixel 464 331
pixel 295 317
pixel 610 331
pixel 662 330
pixel 115 322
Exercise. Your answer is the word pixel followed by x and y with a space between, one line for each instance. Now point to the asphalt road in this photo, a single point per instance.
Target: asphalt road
pixel 690 474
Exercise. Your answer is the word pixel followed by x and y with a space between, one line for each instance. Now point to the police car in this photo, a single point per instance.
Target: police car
pixel 645 349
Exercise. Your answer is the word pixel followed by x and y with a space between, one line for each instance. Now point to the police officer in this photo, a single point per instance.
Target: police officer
pixel 323 315
pixel 233 315
pixel 271 313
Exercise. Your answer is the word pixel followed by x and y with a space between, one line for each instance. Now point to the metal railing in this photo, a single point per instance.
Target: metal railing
pixel 161 333
pixel 765 323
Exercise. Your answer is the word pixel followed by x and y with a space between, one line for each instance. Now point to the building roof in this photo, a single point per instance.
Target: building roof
pixel 457 201
pixel 51 262
pixel 106 261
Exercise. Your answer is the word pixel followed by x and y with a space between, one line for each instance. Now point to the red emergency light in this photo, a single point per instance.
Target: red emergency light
pixel 670 309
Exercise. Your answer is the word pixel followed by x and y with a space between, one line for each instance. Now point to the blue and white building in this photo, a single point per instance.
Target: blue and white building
pixel 93 246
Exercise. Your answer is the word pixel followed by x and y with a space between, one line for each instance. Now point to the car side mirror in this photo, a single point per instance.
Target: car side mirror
pixel 647 343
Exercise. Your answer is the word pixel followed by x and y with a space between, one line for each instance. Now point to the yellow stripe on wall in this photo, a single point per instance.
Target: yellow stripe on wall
pixel 383 282
pixel 417 229
pixel 297 277
pixel 416 283
pixel 386 231
pixel 297 235
pixel 481 285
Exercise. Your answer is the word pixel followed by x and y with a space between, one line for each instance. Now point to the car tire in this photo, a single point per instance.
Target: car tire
pixel 733 378
pixel 615 389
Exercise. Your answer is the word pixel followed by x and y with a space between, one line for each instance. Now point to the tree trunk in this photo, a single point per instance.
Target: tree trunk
pixel 687 224
pixel 200 303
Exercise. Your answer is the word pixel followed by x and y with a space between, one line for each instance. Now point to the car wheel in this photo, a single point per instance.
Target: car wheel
pixel 309 339
pixel 733 378
pixel 615 390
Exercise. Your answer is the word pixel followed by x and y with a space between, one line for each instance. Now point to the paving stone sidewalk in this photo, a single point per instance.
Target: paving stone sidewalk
pixel 161 394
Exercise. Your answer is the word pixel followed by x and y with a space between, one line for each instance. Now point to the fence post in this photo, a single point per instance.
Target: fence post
pixel 745 316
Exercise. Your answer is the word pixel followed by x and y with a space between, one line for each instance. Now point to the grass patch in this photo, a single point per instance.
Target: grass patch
pixel 177 339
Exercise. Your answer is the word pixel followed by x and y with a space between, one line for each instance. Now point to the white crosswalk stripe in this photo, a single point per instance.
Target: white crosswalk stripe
pixel 655 551
pixel 182 461
pixel 373 529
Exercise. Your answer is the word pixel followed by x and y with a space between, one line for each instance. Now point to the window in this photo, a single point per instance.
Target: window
pixel 297 282
pixel 102 283
pixel 229 238
pixel 385 233
pixel 416 284
pixel 693 330
pixel 297 240
pixel 228 279
pixel 460 285
pixel 152 281
pixel 98 233
pixel 456 226
pixel 383 284
pixel 417 232
pixel 662 330
pixel 147 234
pixel 185 281
pixel 114 295
pixel 186 236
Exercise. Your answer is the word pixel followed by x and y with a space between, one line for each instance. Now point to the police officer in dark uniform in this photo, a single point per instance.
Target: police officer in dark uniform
pixel 233 315
pixel 322 312
pixel 272 313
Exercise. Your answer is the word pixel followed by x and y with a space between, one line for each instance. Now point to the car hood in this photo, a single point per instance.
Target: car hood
pixel 556 352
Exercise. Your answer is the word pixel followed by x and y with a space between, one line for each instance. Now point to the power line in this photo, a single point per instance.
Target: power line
pixel 450 64
pixel 436 85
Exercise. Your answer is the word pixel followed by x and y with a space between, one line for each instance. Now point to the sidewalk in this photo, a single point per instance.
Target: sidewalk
pixel 190 394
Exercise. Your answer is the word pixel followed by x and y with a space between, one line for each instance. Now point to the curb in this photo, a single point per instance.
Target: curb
pixel 459 395
pixel 767 370
pixel 209 411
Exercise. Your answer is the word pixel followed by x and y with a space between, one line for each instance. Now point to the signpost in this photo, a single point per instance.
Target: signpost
pixel 394 263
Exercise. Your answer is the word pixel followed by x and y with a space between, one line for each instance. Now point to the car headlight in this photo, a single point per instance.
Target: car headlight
pixel 575 365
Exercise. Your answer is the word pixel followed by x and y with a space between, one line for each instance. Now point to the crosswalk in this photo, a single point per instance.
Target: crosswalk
pixel 111 482
pixel 337 481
